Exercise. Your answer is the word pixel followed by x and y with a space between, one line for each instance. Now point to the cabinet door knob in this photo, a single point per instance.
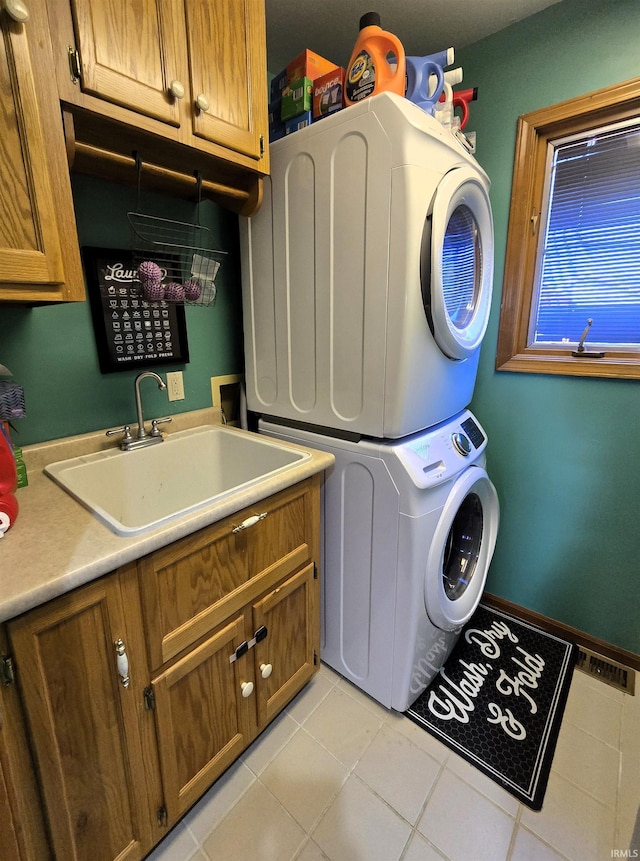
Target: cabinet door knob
pixel 247 689
pixel 17 10
pixel 122 662
pixel 176 88
pixel 202 102
pixel 266 670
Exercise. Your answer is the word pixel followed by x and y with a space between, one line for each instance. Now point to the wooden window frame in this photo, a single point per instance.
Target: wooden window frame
pixel 534 133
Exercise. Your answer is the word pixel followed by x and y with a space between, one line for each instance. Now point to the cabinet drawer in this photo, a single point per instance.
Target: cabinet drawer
pixel 195 584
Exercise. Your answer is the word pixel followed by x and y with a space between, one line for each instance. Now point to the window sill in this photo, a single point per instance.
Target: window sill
pixel 611 367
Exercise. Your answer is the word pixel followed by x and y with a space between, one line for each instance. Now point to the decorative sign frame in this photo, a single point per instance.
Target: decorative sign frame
pixel 130 331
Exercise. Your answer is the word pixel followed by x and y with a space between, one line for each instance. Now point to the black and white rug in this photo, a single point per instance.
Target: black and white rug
pixel 499 699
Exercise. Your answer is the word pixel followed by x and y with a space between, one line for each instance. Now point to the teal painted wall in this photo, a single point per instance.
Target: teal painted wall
pixel 51 350
pixel 563 452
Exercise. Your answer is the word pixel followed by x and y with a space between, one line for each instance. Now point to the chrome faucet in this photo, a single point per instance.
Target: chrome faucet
pixel 161 385
pixel 142 438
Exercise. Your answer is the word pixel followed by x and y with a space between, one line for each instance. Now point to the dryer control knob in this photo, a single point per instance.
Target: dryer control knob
pixel 461 444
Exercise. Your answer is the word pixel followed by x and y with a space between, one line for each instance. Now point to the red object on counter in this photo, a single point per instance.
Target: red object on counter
pixel 8 481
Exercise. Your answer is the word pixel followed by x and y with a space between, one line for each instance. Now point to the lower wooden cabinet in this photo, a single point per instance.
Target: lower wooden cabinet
pixel 128 732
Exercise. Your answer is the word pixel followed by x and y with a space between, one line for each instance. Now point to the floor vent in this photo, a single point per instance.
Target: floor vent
pixel 616 675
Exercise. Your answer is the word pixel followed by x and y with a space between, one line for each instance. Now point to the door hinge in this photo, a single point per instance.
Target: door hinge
pixel 7 670
pixel 261 146
pixel 74 65
pixel 149 699
pixel 315 658
pixel 161 813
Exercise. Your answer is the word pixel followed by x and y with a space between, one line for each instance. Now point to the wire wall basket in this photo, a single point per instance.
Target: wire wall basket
pixel 174 259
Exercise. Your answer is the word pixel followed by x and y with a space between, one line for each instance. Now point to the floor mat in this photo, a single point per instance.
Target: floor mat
pixel 499 699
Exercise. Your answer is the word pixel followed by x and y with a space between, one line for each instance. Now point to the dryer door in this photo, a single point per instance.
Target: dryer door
pixel 461 550
pixel 457 263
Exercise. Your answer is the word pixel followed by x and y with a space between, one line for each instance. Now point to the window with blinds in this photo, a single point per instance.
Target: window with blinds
pixel 572 265
pixel 589 251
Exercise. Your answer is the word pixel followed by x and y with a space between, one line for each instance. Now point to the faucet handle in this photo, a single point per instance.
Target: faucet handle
pixel 155 423
pixel 126 430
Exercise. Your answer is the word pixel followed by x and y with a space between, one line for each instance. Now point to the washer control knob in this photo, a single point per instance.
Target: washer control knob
pixel 461 444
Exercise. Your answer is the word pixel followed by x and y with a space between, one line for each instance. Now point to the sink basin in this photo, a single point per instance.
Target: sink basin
pixel 135 491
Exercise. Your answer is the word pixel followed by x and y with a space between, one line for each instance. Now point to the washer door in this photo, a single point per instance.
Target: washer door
pixel 457 263
pixel 461 550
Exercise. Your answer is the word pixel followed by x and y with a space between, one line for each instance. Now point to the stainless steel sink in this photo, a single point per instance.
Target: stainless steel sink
pixel 135 491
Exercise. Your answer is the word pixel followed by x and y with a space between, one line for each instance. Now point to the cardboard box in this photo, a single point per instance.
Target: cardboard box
pixel 297 97
pixel 275 111
pixel 278 83
pixel 308 65
pixel 276 132
pixel 328 93
pixel 297 123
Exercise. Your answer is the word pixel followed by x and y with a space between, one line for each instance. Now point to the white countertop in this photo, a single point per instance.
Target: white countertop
pixel 56 544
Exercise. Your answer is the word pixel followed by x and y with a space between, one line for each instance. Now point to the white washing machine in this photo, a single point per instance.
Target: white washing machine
pixel 409 530
pixel 367 273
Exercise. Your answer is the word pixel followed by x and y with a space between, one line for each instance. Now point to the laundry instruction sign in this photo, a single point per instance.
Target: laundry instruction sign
pixel 499 698
pixel 130 331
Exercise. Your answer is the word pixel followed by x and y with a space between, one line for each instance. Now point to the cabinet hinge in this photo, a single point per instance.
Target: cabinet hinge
pixel 261 146
pixel 161 813
pixel 7 670
pixel 315 571
pixel 149 699
pixel 315 658
pixel 74 65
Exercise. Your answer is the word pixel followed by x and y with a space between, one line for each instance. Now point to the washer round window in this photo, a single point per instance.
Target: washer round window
pixel 463 547
pixel 461 266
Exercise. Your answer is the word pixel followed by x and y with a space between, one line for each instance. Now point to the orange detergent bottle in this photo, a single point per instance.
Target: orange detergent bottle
pixel 377 62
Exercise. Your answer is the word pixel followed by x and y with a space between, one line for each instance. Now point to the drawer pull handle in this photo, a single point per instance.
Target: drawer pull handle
pixel 250 521
pixel 247 689
pixel 266 670
pixel 122 662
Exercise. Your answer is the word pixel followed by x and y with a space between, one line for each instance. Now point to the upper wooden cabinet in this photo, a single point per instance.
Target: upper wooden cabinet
pixel 39 255
pixel 191 73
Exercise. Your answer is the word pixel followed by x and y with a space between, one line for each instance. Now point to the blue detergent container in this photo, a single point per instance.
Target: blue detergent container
pixel 425 78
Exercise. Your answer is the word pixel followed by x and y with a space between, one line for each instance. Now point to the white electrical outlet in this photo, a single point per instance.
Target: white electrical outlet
pixel 175 386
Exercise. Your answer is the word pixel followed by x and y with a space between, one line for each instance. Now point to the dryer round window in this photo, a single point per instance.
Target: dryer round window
pixel 456 267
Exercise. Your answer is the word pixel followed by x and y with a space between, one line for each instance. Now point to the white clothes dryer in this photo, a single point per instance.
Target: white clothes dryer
pixel 409 529
pixel 367 273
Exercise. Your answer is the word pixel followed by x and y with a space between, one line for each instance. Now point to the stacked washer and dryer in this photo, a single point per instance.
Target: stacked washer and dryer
pixel 367 279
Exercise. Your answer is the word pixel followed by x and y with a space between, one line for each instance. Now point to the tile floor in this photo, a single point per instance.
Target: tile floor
pixel 339 777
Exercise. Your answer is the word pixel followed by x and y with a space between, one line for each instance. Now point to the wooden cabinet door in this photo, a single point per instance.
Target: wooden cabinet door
pixel 22 834
pixel 202 716
pixel 84 724
pixel 288 656
pixel 228 73
pixel 131 54
pixel 39 254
